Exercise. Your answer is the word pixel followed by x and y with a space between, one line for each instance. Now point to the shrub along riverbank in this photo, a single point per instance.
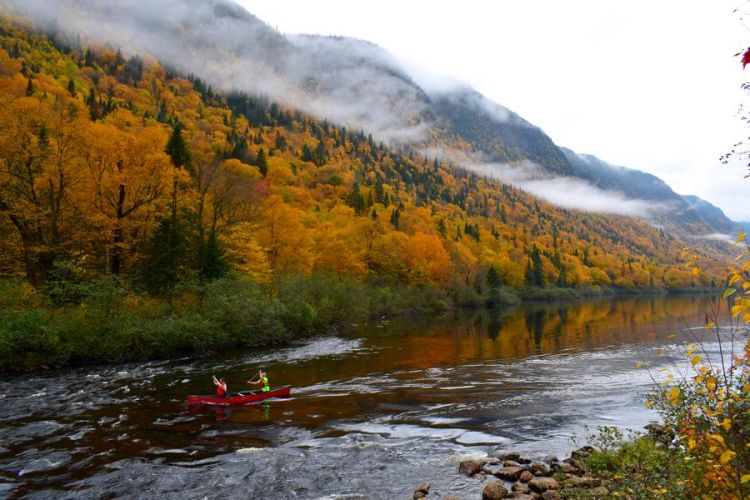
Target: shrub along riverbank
pixel 74 322
pixel 108 321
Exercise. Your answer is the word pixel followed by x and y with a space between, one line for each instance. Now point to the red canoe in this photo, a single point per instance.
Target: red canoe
pixel 239 398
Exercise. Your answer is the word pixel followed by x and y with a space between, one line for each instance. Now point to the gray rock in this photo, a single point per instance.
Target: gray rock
pixel 509 473
pixel 550 459
pixel 494 491
pixel 569 468
pixel 574 462
pixel 491 470
pixel 505 454
pixel 511 463
pixel 542 484
pixel 526 476
pixel 584 451
pixel 551 495
pixel 522 487
pixel 524 459
pixel 451 497
pixel 421 492
pixel 539 469
pixel 470 467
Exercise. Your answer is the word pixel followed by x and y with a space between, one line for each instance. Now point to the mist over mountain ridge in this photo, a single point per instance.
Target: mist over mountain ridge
pixel 362 86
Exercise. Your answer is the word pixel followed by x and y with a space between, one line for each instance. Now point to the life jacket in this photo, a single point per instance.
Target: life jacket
pixel 265 387
pixel 221 389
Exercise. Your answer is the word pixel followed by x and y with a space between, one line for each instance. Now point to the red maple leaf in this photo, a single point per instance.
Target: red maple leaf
pixel 746 58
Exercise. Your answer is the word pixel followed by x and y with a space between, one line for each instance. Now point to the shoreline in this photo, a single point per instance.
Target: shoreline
pixel 510 474
pixel 153 334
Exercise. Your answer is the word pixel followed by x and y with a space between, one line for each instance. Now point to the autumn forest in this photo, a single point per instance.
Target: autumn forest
pixel 164 216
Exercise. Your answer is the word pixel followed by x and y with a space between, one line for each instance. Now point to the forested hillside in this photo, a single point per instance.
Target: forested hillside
pixel 114 164
pixel 144 214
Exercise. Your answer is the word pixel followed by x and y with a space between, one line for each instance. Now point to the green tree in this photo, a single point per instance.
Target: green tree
pixel 213 263
pixel 161 269
pixel 177 148
pixel 306 153
pixel 261 162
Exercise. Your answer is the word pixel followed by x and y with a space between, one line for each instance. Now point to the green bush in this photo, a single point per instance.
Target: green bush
pixel 636 466
pixel 243 314
pixel 27 341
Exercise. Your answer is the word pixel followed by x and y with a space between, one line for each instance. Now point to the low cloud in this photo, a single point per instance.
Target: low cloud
pixel 351 82
pixel 727 238
pixel 567 192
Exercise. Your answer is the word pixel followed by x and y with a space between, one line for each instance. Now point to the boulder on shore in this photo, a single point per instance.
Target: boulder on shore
pixel 539 469
pixel 581 452
pixel 471 467
pixel 520 487
pixel 526 476
pixel 542 484
pixel 506 455
pixel 510 473
pixel 421 491
pixel 494 491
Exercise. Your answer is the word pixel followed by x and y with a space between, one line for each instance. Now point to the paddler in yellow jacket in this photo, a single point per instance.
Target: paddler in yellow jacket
pixel 262 381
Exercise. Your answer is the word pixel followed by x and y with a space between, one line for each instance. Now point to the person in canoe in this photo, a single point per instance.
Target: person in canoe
pixel 262 380
pixel 221 386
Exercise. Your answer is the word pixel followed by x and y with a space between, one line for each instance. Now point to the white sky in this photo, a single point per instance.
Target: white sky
pixel 647 84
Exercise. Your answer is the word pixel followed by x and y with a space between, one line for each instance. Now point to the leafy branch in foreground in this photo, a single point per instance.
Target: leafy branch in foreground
pixel 708 406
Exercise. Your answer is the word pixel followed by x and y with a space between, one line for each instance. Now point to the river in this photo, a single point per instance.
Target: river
pixel 374 412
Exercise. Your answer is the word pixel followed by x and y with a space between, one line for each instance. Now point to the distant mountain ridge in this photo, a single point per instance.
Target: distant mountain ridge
pixel 359 85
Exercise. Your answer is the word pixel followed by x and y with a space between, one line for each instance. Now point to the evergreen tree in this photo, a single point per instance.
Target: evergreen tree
pixel 306 153
pixel 213 262
pixel 356 200
pixel 71 87
pixel 441 227
pixel 177 148
pixel 395 216
pixel 321 154
pixel 30 88
pixel 562 279
pixel 261 162
pixel 280 142
pixel 537 269
pixel 88 59
pixel 161 115
pixel 161 269
pixel 93 109
pixel 494 280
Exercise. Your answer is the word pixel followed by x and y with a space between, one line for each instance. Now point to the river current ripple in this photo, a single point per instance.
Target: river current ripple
pixel 374 413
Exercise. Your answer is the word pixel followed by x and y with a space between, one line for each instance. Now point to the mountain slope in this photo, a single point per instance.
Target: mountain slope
pixel 348 82
pixel 266 190
pixel 711 215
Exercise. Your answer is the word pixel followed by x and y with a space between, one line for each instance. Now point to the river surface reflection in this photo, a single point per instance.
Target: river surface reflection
pixel 374 412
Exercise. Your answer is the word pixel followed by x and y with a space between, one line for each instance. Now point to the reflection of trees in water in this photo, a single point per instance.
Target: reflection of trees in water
pixel 535 321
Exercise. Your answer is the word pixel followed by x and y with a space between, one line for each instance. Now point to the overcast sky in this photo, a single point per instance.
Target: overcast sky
pixel 651 85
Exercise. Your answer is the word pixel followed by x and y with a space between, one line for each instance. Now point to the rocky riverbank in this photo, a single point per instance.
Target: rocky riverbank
pixel 510 474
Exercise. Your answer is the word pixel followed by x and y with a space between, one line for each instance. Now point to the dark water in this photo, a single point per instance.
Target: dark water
pixel 375 412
